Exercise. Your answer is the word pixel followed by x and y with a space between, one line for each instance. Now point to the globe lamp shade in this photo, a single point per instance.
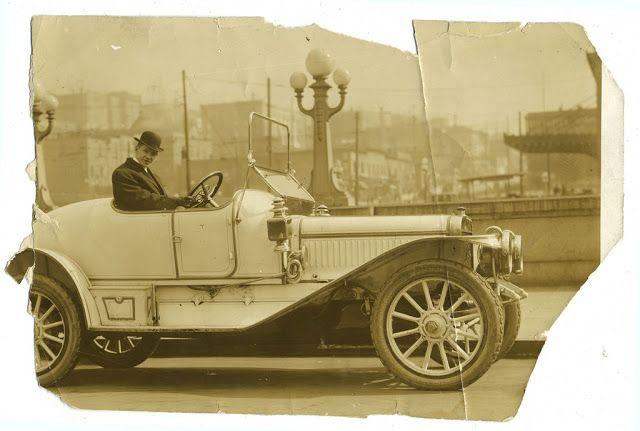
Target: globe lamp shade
pixel 298 80
pixel 341 77
pixel 51 102
pixel 319 63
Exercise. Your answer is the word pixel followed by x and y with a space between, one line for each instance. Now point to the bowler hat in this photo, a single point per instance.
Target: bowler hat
pixel 151 140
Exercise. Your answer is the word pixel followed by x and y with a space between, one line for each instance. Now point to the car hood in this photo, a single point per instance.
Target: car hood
pixel 328 226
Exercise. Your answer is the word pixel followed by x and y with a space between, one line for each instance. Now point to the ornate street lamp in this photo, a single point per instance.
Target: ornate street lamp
pixel 43 102
pixel 320 65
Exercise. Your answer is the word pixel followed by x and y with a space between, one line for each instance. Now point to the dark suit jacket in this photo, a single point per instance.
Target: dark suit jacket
pixel 136 190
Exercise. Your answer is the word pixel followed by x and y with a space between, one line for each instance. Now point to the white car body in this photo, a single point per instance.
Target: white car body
pixel 124 261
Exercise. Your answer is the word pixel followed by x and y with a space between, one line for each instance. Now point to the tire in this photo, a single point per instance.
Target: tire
pixel 471 314
pixel 114 350
pixel 57 329
pixel 512 317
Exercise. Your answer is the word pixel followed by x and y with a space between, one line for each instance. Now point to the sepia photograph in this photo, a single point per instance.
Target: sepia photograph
pixel 236 216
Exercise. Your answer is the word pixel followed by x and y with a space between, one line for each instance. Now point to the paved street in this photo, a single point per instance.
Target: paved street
pixel 314 386
pixel 343 386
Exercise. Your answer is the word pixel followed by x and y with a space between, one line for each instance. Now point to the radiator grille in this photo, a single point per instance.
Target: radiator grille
pixel 348 252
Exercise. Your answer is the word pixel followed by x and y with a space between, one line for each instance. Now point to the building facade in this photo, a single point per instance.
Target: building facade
pixel 560 152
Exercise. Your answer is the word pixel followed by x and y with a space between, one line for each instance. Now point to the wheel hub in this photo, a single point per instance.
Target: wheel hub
pixel 435 326
pixel 432 327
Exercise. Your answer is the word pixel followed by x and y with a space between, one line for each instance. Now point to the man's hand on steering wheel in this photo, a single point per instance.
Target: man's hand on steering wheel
pixel 187 201
pixel 202 194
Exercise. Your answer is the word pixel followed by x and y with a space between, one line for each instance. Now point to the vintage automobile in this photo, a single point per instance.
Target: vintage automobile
pixel 109 284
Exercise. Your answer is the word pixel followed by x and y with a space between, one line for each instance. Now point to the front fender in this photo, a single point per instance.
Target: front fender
pixel 373 274
pixel 21 261
pixel 59 267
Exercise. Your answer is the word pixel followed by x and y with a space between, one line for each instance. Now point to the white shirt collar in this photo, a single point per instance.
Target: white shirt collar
pixel 143 166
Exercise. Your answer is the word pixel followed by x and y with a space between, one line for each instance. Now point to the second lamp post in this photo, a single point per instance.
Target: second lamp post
pixel 320 65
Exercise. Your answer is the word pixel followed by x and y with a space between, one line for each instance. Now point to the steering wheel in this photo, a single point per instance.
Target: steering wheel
pixel 203 193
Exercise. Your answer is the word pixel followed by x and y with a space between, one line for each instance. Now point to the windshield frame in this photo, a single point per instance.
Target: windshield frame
pixel 252 161
pixel 259 169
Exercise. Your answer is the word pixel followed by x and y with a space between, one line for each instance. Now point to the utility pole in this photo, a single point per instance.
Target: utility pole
pixel 420 176
pixel 382 136
pixel 269 149
pixel 544 108
pixel 520 123
pixel 413 129
pixel 186 129
pixel 544 91
pixel 520 162
pixel 548 174
pixel 357 156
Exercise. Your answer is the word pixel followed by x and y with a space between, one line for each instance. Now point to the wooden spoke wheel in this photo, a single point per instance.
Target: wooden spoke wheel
pixel 437 325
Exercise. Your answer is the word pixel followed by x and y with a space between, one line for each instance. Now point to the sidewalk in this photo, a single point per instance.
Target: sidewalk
pixel 541 309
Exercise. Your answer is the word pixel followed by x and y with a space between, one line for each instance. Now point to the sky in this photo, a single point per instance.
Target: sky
pixel 484 74
pixel 475 74
pixel 225 60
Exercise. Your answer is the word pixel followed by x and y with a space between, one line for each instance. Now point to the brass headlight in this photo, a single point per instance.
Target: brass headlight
pixel 518 262
pixel 467 226
pixel 509 254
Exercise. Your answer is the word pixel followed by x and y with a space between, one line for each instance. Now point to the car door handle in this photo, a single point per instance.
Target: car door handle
pixel 177 239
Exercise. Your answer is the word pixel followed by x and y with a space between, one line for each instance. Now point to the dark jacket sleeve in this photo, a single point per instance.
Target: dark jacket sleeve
pixel 130 196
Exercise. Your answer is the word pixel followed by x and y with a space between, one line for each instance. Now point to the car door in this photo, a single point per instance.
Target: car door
pixel 203 240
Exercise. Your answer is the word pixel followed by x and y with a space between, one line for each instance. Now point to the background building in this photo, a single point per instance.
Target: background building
pixel 90 138
pixel 560 152
pixel 401 159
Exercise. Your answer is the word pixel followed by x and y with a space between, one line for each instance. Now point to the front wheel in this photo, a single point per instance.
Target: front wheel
pixel 114 350
pixel 512 318
pixel 57 329
pixel 437 325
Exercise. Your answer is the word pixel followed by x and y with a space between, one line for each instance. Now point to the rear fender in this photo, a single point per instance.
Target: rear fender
pixel 58 267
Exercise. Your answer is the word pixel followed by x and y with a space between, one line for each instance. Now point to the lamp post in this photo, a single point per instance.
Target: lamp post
pixel 43 103
pixel 320 65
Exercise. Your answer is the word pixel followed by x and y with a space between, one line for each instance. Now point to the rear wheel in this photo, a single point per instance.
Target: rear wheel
pixel 57 329
pixel 113 350
pixel 437 325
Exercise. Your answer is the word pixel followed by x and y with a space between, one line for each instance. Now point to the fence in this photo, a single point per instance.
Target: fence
pixel 561 235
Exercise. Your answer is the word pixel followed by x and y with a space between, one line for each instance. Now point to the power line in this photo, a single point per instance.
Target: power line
pixel 228 146
pixel 238 69
pixel 407 90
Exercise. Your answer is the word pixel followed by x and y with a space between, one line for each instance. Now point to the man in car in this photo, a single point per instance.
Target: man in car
pixel 135 187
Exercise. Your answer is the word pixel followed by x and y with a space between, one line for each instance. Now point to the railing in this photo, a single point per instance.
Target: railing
pixel 560 235
pixel 563 206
